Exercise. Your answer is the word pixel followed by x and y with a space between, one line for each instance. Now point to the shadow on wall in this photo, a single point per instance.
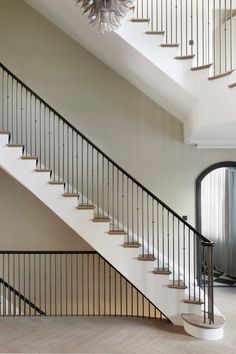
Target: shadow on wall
pixel 27 224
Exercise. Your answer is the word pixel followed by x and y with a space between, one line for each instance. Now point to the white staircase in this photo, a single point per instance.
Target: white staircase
pixel 154 286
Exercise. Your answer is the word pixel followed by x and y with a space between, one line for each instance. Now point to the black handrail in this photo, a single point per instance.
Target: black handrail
pixel 196 232
pixel 22 297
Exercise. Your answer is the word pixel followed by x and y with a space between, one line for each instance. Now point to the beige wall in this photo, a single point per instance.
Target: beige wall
pixel 129 127
pixel 26 224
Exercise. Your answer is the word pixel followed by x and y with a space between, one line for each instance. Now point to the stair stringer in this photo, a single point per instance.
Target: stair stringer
pixel 154 287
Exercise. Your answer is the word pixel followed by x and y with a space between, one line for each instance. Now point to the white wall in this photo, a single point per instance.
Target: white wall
pixel 129 127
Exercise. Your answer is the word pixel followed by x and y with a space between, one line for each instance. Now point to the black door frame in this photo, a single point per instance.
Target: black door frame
pixel 198 187
pixel 198 205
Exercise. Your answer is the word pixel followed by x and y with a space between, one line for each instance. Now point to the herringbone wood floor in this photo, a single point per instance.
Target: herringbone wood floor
pixel 113 335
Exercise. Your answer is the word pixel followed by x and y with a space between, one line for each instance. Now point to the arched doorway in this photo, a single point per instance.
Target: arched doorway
pixel 216 214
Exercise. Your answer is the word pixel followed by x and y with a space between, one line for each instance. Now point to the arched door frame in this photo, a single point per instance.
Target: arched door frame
pixel 198 187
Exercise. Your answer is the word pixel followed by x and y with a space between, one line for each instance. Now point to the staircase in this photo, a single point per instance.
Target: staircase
pixel 157 251
pixel 192 43
pixel 181 54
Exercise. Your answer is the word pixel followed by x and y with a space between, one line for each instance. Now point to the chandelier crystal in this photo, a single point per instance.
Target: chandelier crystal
pixel 106 14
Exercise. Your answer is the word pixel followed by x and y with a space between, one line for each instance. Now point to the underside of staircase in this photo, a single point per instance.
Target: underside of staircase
pixel 181 55
pixel 163 256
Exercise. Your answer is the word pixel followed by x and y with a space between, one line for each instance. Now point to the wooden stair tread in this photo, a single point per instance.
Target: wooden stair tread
pixel 131 245
pixel 177 284
pixel 57 182
pixel 29 157
pixel 117 232
pixel 68 195
pixel 146 257
pixel 220 75
pixel 16 145
pixel 169 45
pixel 5 133
pixel 43 170
pixel 140 20
pixel 85 207
pixel 162 271
pixel 232 85
pixel 193 301
pixel 101 219
pixel 159 33
pixel 201 67
pixel 184 57
pixel 198 321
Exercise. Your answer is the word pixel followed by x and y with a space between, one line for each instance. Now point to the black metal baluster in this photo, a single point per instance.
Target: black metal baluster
pixel 66 284
pixel 87 173
pixel 8 280
pixel 122 205
pixel 189 263
pixel 148 241
pixel 103 206
pixel 68 161
pixel 93 279
pixel 178 246
pixel 60 265
pixel 158 236
pixel 34 285
pixel 29 267
pixel 82 283
pixel 4 288
pixel 88 285
pixel 99 285
pixel 19 282
pixel 40 274
pixel 14 287
pixel 71 285
pixel 194 266
pixel 113 197
pixel 45 284
pixel 77 165
pixel 184 253
pixel 50 284
pixel 108 188
pixel 72 162
pixel 168 241
pixel 104 286
pixel 109 269
pixel 115 289
pixel 117 198
pixel 44 156
pixel 138 240
pixel 163 239
pixel 98 194
pixel 3 127
pixel 142 225
pixel 153 227
pixel 173 248
pixel 7 105
pixel 77 285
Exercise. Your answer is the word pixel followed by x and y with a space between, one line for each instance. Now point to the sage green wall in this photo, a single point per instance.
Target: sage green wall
pixel 128 126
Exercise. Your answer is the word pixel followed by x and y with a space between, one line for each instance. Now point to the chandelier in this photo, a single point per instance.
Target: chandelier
pixel 106 14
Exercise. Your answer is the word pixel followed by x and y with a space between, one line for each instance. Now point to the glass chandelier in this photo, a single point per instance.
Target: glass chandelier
pixel 105 13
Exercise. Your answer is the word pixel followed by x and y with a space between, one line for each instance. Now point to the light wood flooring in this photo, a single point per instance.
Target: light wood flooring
pixel 114 335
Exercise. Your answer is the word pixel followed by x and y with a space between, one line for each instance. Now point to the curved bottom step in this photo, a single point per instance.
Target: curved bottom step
pixel 195 326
